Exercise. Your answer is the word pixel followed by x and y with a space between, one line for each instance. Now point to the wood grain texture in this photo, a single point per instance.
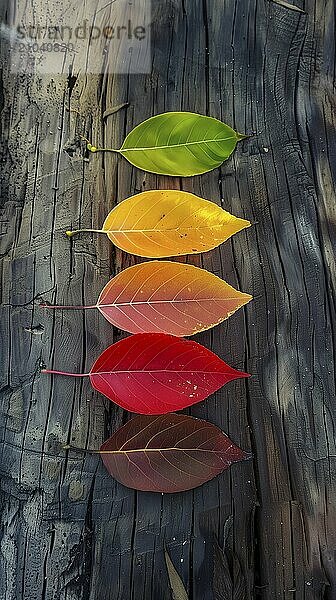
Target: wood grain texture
pixel 69 530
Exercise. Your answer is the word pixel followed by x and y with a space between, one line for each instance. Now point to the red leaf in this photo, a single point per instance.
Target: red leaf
pixel 153 373
pixel 168 453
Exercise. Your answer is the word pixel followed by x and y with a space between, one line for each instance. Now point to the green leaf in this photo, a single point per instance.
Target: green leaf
pixel 179 144
pixel 176 583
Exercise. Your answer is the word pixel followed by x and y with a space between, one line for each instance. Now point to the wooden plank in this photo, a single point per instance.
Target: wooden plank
pixel 69 530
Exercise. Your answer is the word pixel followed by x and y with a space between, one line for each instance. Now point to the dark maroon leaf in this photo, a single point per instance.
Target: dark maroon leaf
pixel 168 453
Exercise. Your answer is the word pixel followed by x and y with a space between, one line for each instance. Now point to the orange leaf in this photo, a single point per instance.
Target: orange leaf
pixel 168 297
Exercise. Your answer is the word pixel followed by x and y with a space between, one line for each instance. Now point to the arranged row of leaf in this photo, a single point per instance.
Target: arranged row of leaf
pixel 155 372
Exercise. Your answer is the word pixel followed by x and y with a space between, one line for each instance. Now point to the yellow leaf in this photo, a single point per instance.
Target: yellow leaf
pixel 163 223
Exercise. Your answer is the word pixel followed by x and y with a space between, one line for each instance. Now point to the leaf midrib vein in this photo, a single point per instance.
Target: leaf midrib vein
pixel 157 371
pixel 164 301
pixel 232 137
pixel 164 230
pixel 146 450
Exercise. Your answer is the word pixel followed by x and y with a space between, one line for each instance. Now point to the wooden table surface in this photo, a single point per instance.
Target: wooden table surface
pixel 69 531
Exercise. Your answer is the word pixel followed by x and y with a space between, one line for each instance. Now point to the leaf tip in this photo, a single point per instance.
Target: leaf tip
pixel 246 298
pixel 242 224
pixel 244 375
pixel 242 136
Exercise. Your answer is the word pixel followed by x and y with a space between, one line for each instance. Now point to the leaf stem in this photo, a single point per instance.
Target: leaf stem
pixel 94 149
pixel 81 450
pixel 51 371
pixel 61 307
pixel 70 233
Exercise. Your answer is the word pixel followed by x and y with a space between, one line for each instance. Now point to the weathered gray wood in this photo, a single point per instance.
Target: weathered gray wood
pixel 69 530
